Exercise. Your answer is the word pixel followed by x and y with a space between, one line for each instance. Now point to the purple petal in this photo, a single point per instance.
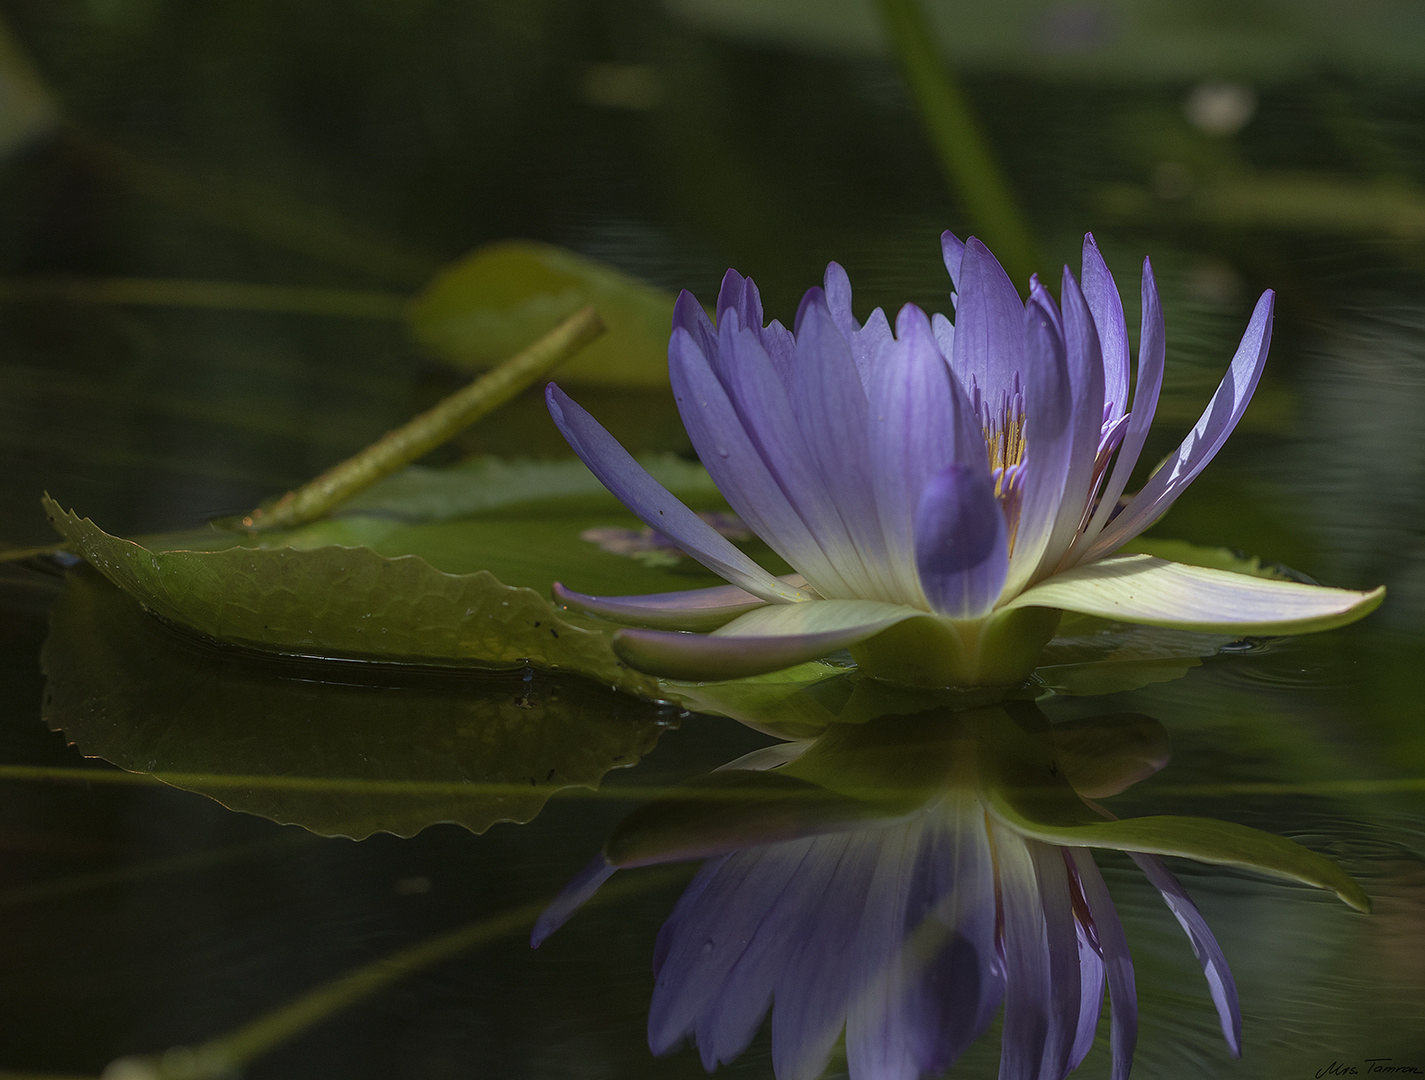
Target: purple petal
pixel 1206 438
pixel 920 423
pixel 1048 436
pixel 957 992
pixel 574 896
pixel 739 465
pixel 961 548
pixel 989 326
pixel 753 645
pixel 739 908
pixel 1090 999
pixel 1103 300
pixel 1122 994
pixel 944 331
pixel 1065 979
pixel 689 316
pixel 952 250
pixel 695 609
pixel 883 1040
pixel 838 299
pixel 1085 364
pixel 830 407
pixel 867 343
pixel 1204 946
pixel 1152 354
pixel 739 295
pixel 1028 975
pixel 654 504
pixel 814 985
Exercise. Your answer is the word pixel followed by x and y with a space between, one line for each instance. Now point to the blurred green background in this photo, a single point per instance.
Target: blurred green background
pixel 214 215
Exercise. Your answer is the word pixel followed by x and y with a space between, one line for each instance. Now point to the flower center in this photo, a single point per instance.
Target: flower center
pixel 1003 428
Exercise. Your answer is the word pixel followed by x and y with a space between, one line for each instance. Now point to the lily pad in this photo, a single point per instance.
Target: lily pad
pixel 489 304
pixel 401 576
pixel 340 748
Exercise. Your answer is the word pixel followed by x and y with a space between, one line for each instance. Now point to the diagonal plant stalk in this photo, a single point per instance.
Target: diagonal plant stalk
pixel 965 156
pixel 225 1056
pixel 405 444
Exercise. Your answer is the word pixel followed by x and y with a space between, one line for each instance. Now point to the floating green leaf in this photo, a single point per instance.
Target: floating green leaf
pixel 404 579
pixel 503 295
pixel 341 748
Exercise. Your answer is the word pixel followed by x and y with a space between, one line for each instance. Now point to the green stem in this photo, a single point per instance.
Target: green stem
pixel 405 444
pixel 965 156
pixel 224 1056
pixel 217 295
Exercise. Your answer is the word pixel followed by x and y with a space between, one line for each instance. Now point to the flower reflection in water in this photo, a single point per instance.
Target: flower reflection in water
pixel 906 917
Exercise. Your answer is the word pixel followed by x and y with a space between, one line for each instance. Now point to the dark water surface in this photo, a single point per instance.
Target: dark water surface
pixel 360 146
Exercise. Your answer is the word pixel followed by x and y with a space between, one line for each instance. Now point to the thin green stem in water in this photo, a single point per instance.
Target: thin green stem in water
pixel 965 156
pixel 405 444
pixel 225 1056
pixel 210 295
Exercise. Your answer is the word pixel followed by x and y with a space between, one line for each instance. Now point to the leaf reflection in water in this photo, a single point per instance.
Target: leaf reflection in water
pixel 341 748
pixel 901 879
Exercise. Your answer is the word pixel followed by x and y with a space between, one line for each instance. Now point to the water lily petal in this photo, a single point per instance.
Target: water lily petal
pixel 830 407
pixel 883 1039
pixel 815 983
pixel 695 609
pixel 1090 999
pixel 1086 379
pixel 739 465
pixel 837 289
pixel 952 250
pixel 920 423
pixel 571 898
pixel 753 645
pixel 689 316
pixel 1061 936
pixel 989 326
pixel 655 505
pixel 944 331
pixel 960 987
pixel 1048 436
pixel 1204 946
pixel 1152 356
pixel 961 548
pixel 742 905
pixel 1101 293
pixel 1202 443
pixel 1118 964
pixel 1028 976
pixel 740 296
pixel 1144 589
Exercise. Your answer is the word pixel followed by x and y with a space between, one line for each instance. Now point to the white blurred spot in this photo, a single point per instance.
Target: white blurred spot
pixel 1220 108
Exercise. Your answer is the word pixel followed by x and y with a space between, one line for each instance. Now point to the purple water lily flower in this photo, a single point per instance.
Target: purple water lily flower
pixel 907 933
pixel 943 491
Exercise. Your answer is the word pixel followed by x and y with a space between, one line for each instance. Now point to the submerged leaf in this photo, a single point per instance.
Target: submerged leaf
pixel 340 748
pixel 502 295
